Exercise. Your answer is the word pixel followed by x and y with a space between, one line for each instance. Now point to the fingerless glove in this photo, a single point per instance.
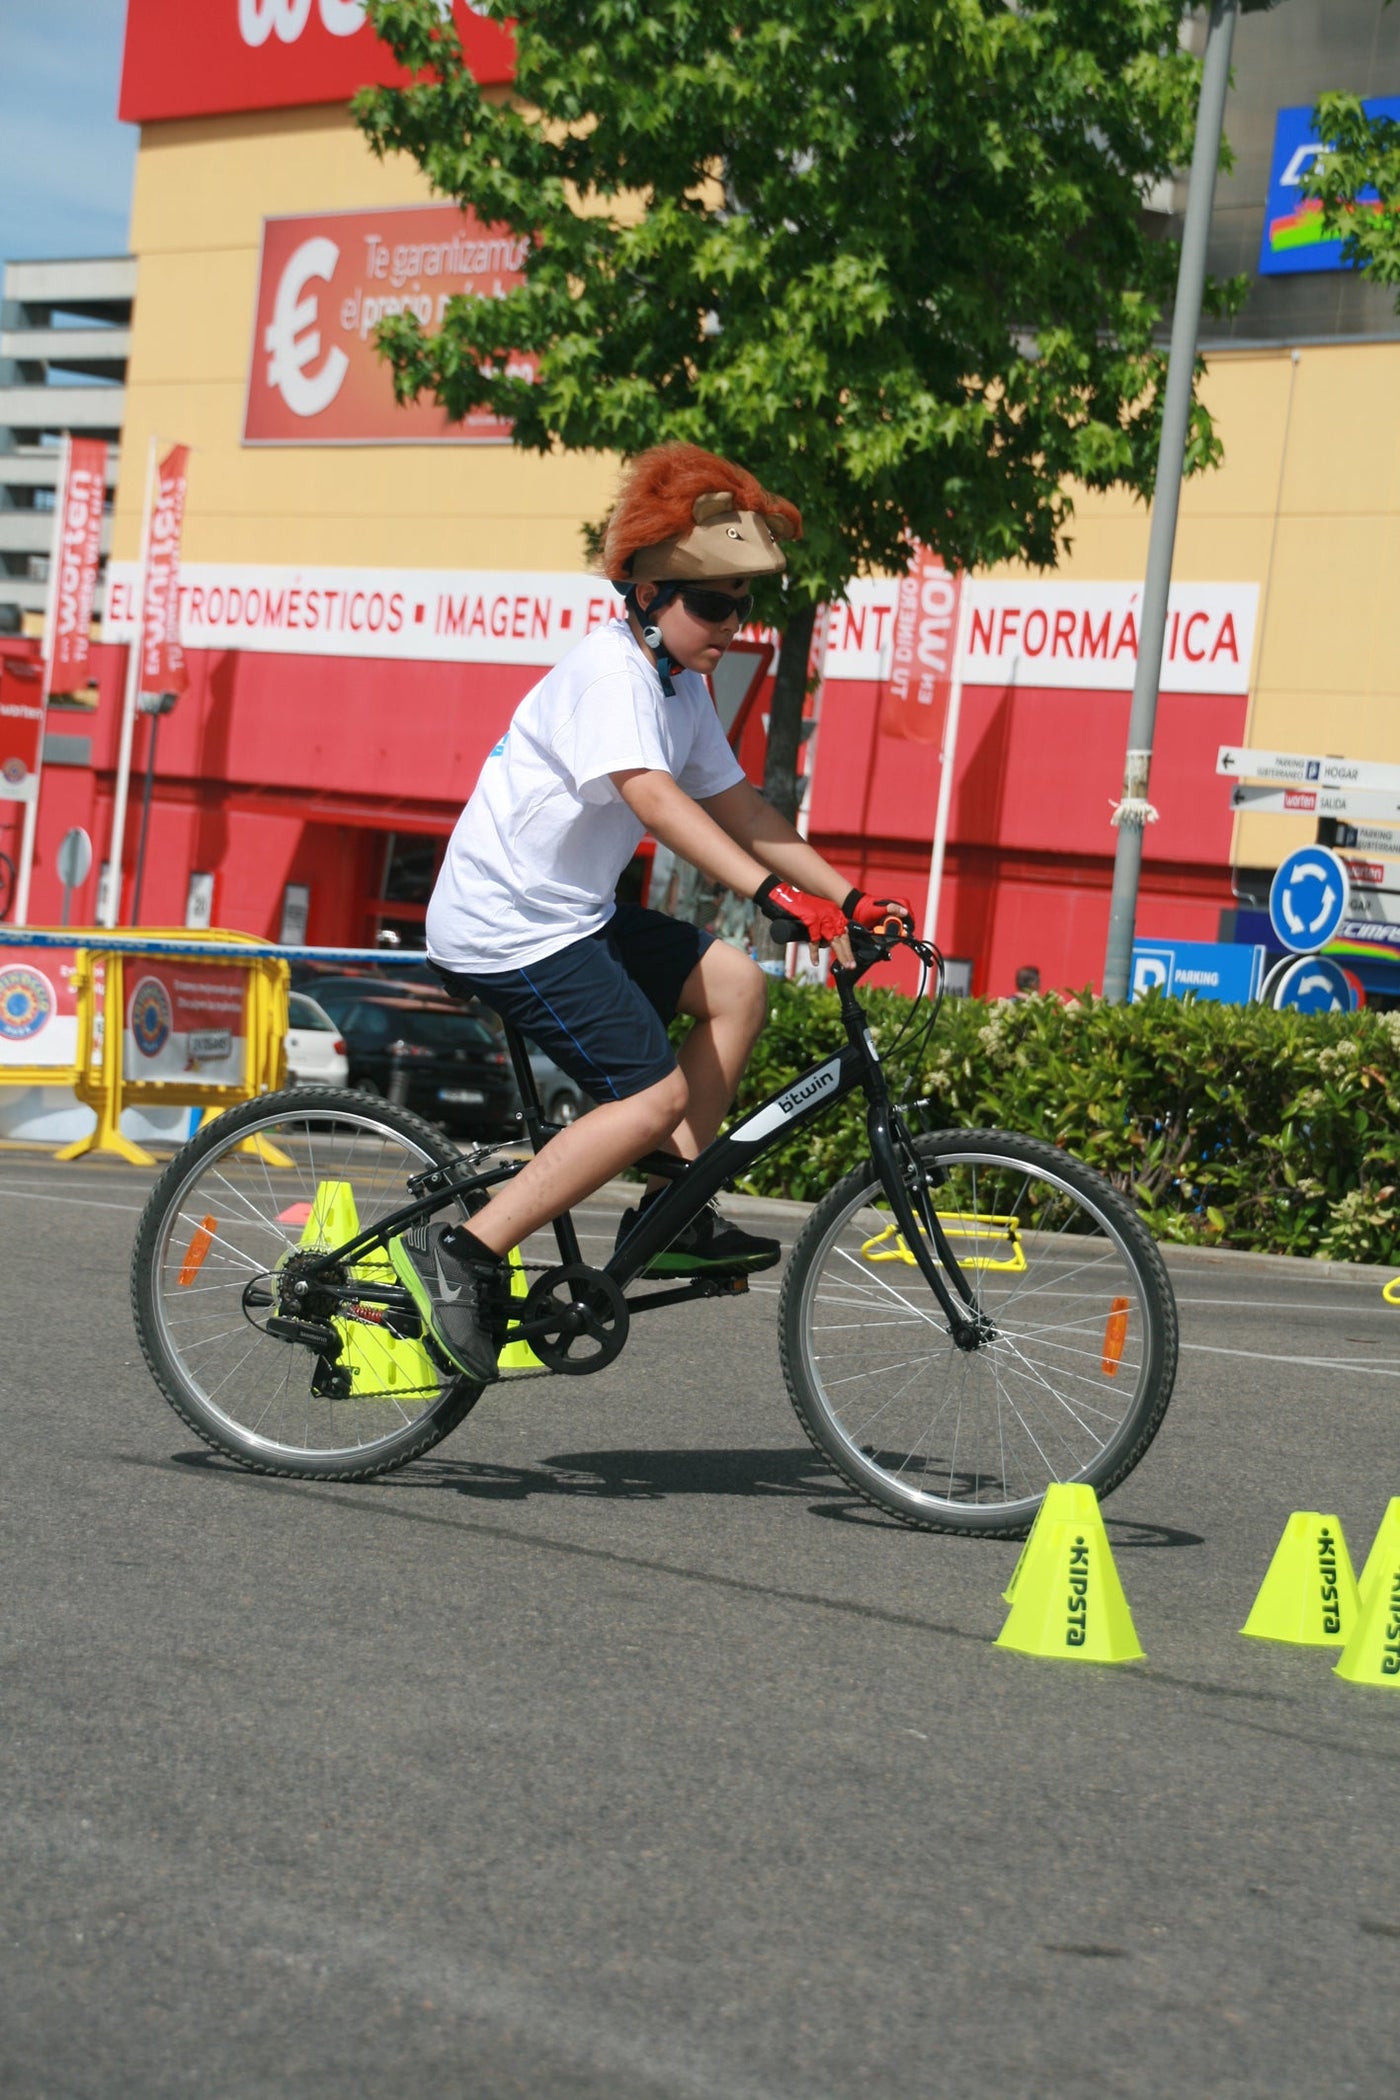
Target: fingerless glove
pixel 783 900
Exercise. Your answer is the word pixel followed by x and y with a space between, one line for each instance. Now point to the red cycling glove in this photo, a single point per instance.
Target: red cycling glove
pixel 783 900
pixel 873 913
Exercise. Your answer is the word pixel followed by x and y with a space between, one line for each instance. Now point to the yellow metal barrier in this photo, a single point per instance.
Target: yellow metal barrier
pixel 981 1234
pixel 129 1002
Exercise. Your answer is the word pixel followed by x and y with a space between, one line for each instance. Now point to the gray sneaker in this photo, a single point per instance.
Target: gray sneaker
pixel 459 1300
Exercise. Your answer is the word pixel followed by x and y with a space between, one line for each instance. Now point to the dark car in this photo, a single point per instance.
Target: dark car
pixel 446 1064
pixel 561 1097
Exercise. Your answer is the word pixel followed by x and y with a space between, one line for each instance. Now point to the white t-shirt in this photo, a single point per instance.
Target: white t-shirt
pixel 534 860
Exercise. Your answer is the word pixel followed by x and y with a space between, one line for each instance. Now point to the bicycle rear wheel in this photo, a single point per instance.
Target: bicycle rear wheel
pixel 268 1184
pixel 1074 1375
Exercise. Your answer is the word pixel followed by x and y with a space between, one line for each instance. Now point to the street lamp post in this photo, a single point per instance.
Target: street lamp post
pixel 1134 812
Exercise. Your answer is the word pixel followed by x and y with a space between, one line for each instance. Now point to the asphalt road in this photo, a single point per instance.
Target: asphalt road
pixel 614 1751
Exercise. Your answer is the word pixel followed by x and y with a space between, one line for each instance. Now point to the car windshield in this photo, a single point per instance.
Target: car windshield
pixel 305 1013
pixel 435 1028
pixel 442 1030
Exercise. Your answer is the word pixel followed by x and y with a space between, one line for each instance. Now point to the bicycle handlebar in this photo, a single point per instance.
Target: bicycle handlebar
pixel 869 945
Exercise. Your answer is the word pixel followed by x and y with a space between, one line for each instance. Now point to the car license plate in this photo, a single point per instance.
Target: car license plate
pixel 465 1094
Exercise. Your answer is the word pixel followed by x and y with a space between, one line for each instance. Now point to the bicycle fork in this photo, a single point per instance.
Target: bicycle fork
pixel 923 1234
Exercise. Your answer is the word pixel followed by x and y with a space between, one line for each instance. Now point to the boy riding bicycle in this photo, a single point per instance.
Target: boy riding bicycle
pixel 621 738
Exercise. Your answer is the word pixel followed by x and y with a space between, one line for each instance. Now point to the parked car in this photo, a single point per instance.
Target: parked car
pixel 562 1098
pixel 315 1048
pixel 437 1059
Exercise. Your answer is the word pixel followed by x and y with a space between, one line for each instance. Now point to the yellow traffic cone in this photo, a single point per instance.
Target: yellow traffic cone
pixel 1067 1502
pixel 384 1365
pixel 1067 1600
pixel 334 1218
pixel 518 1356
pixel 1385 1547
pixel 1372 1655
pixel 1308 1596
pixel 379 1363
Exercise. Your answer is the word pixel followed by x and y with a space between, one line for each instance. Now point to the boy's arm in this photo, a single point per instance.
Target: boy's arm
pixel 687 827
pixel 767 836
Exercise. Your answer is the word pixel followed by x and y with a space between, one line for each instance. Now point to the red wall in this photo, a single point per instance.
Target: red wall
pixel 1030 852
pixel 291 769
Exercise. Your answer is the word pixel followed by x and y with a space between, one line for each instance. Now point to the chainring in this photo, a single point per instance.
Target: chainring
pixel 587 1313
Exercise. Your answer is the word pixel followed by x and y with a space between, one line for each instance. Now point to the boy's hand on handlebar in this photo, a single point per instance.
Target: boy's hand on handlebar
pixel 825 922
pixel 882 915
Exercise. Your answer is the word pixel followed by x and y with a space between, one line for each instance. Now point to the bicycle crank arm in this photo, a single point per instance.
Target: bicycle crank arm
pixel 699 1287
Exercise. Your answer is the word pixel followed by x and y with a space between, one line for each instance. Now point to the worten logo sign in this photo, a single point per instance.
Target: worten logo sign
pixel 324 285
pixel 192 58
pixel 533 616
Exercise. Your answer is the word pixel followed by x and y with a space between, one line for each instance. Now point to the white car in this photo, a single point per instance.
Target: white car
pixel 315 1052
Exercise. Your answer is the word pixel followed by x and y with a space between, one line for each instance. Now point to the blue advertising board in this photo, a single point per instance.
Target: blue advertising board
pixel 1293 239
pixel 1219 970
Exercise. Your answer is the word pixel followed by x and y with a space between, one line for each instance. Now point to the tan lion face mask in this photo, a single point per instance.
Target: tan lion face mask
pixel 722 543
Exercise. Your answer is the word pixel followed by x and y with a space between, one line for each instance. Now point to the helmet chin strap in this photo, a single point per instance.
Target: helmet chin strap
pixel 651 633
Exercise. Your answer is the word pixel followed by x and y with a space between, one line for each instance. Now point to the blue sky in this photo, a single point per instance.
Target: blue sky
pixel 65 162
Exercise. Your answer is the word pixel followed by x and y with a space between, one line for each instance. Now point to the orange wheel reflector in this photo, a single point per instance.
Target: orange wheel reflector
pixel 198 1247
pixel 1115 1335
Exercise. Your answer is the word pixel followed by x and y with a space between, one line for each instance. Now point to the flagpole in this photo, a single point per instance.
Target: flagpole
pixel 112 902
pixel 946 764
pixel 30 828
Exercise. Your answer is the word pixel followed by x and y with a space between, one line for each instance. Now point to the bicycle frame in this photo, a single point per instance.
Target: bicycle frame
pixel 856 1066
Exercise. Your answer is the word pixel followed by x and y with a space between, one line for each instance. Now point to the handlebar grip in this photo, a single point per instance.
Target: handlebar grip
pixel 781 931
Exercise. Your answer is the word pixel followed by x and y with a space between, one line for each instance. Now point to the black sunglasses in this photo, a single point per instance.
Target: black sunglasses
pixel 715 607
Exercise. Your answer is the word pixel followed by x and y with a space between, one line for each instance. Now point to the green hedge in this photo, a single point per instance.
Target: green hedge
pixel 1230 1126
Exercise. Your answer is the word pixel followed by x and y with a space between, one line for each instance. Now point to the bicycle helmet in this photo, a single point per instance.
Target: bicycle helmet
pixel 684 515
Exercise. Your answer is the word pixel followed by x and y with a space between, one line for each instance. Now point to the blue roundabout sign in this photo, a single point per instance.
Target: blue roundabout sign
pixel 1314 984
pixel 1308 898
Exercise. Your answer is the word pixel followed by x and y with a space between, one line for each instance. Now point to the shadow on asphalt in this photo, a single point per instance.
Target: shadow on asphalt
pixel 655 1476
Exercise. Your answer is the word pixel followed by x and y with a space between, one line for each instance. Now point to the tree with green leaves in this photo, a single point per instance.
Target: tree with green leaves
pixel 890 254
pixel 1361 154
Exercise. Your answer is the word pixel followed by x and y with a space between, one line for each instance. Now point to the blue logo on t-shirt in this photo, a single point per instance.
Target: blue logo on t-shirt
pixel 497 749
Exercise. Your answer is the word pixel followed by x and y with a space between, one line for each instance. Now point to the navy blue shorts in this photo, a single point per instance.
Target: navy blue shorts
pixel 599 1007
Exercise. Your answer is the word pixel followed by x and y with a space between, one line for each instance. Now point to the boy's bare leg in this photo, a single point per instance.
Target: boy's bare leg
pixel 729 999
pixel 579 1160
pixel 681 1113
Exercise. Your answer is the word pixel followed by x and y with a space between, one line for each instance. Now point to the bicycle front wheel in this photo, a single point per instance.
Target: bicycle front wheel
pixel 1074 1369
pixel 275 1182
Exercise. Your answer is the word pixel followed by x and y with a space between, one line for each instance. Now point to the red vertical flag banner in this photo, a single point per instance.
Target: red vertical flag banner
pixel 914 704
pixel 162 658
pixel 79 545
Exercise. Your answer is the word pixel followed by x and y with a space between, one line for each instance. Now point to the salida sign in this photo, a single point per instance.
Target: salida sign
pixel 324 285
pixel 192 58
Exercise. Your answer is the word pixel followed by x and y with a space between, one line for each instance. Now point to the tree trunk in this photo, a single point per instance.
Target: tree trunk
pixel 785 718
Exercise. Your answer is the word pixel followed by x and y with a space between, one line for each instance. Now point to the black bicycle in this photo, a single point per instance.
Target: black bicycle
pixel 966 1318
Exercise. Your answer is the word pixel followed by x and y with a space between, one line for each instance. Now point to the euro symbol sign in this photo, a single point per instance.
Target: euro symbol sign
pixel 293 338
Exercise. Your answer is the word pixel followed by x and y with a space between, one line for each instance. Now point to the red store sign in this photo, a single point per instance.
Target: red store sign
pixel 324 285
pixel 197 58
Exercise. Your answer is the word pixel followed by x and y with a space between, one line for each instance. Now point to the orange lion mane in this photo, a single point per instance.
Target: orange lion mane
pixel 658 489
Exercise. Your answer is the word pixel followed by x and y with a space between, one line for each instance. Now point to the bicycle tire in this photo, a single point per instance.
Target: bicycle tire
pixel 225 1210
pixel 1075 1385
